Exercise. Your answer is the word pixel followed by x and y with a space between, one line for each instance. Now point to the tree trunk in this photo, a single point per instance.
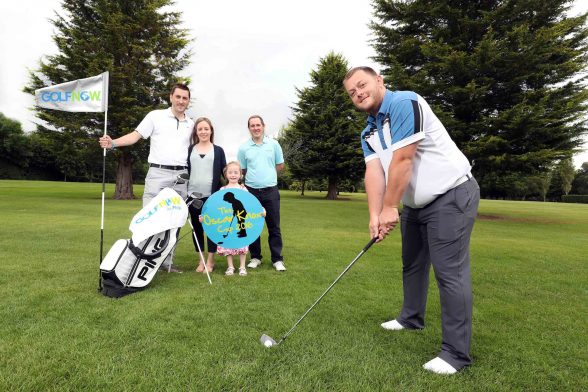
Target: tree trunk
pixel 302 186
pixel 124 177
pixel 332 192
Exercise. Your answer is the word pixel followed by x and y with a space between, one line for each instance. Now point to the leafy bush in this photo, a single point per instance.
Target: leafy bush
pixel 575 199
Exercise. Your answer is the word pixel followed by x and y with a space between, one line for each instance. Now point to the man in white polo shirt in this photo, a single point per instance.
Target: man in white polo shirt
pixel 410 156
pixel 170 130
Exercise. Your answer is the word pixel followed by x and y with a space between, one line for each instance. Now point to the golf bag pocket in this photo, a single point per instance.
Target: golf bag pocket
pixel 133 266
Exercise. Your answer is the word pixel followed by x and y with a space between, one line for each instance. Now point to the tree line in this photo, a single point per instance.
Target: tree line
pixel 507 79
pixel 46 155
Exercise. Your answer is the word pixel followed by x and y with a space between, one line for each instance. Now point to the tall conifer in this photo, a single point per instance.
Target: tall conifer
pixel 505 77
pixel 142 46
pixel 324 136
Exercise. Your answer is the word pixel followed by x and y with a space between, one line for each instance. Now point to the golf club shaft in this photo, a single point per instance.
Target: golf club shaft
pixel 200 251
pixel 365 248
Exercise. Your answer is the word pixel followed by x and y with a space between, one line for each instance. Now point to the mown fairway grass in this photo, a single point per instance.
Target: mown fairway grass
pixel 58 334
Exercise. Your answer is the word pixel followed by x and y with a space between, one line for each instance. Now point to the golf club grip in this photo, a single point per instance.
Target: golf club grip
pixel 369 244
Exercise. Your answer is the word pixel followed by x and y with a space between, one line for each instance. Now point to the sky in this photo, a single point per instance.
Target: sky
pixel 249 57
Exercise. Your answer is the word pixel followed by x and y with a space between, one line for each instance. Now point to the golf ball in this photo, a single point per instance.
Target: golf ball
pixel 267 343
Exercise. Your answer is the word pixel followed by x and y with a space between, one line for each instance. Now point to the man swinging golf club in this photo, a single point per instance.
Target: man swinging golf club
pixel 410 156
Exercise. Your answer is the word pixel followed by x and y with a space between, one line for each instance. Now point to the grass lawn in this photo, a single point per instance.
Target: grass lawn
pixel 530 276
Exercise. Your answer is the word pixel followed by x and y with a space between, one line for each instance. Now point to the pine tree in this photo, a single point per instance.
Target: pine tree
pixel 580 183
pixel 503 77
pixel 324 137
pixel 142 47
pixel 14 151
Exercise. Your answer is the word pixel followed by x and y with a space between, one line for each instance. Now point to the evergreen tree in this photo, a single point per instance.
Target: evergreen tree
pixel 14 149
pixel 503 77
pixel 580 183
pixel 142 47
pixel 323 139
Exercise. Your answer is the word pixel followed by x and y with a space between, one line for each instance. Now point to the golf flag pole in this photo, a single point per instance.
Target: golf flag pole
pixel 82 95
pixel 103 192
pixel 105 95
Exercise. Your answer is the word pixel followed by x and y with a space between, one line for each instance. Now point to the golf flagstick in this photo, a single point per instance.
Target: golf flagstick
pixel 102 213
pixel 269 342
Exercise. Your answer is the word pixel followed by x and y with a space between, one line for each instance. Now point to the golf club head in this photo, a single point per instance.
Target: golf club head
pixel 267 341
pixel 182 178
pixel 194 199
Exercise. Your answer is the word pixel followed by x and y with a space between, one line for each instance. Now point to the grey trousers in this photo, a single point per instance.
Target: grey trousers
pixel 439 234
pixel 155 181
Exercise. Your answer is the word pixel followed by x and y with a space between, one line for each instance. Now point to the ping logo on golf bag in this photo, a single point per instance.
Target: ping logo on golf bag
pixel 148 265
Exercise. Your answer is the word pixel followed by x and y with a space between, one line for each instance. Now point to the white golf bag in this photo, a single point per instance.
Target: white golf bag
pixel 130 265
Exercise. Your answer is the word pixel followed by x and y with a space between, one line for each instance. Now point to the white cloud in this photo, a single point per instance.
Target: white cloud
pixel 248 56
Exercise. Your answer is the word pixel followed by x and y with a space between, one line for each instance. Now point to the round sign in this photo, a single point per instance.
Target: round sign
pixel 232 218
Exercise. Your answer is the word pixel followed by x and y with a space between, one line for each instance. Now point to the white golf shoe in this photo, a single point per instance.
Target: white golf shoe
pixel 254 263
pixel 279 266
pixel 392 325
pixel 439 366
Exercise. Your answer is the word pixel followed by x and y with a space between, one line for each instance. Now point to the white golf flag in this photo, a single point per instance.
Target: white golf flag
pixel 82 95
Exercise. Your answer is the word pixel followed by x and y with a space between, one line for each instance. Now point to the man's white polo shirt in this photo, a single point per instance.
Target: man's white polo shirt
pixel 170 137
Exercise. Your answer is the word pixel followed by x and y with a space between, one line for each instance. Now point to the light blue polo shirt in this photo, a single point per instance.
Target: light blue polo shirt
pixel 260 161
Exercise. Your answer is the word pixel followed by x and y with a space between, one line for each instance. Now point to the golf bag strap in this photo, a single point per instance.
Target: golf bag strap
pixel 139 253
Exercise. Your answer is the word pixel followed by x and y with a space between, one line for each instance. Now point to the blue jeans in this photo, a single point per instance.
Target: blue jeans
pixel 270 200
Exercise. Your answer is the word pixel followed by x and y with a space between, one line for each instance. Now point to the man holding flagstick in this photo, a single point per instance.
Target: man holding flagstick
pixel 170 130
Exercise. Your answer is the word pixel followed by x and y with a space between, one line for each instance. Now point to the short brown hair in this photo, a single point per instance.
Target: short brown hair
pixel 255 116
pixel 181 86
pixel 194 138
pixel 363 68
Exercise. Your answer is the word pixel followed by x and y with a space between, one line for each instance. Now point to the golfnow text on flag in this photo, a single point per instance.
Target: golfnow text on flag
pixel 71 96
pixel 82 95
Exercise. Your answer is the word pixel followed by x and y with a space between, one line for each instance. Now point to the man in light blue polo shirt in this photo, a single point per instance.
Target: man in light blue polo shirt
pixel 261 158
pixel 410 157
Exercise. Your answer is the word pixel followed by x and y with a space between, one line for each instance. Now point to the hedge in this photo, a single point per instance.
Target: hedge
pixel 575 199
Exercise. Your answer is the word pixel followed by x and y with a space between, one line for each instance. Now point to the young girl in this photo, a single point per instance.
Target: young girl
pixel 232 173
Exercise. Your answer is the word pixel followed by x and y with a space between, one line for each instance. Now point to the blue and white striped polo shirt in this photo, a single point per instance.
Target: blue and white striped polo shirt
pixel 405 118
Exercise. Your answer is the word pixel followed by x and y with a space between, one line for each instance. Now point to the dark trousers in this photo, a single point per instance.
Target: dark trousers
pixel 194 213
pixel 270 200
pixel 439 234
